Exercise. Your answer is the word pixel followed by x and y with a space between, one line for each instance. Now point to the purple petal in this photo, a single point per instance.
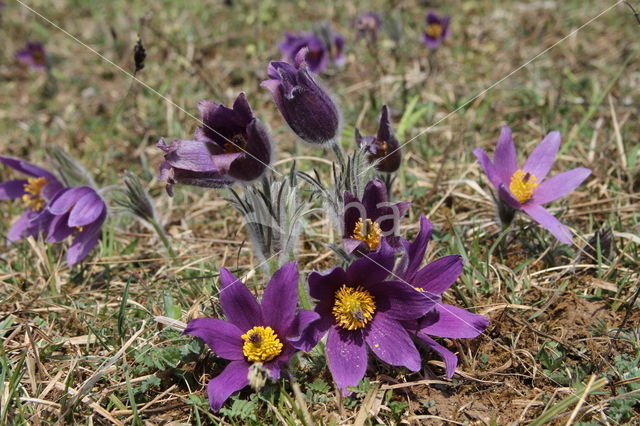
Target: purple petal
pixel 191 155
pixel 12 189
pixel 415 251
pixel 58 229
pixel 221 336
pixel 222 162
pixel 541 159
pixel 450 359
pixel 400 301
pixel 66 199
pixel 488 167
pixel 315 330
pixel 233 378
pixel 505 159
pixel 280 299
pixel 388 339
pixel 456 322
pixel 257 156
pixel 86 210
pixel 85 240
pixel 26 167
pixel 506 196
pixel 347 357
pixel 559 185
pixel 548 221
pixel 372 268
pixel 439 275
pixel 323 285
pixel 20 227
pixel 238 303
pixel 375 193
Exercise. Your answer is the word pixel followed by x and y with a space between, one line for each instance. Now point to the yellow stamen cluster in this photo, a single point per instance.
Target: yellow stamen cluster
pixel 261 344
pixel 522 185
pixel 434 30
pixel 353 307
pixel 32 190
pixel 369 232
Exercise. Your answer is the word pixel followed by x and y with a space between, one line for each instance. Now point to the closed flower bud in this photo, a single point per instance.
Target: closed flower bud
pixel 383 147
pixel 306 107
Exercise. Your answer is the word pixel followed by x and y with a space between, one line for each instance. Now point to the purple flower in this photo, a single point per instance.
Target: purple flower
pixel 383 147
pixel 322 46
pixel 526 188
pixel 306 107
pixel 370 221
pixel 435 278
pixel 232 145
pixel 79 212
pixel 34 56
pixel 436 30
pixel 35 192
pixel 368 26
pixel 253 332
pixel 359 309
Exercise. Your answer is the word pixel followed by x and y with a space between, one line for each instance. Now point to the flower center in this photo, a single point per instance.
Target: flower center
pixel 32 189
pixel 522 185
pixel 353 307
pixel 261 344
pixel 236 143
pixel 369 232
pixel 434 30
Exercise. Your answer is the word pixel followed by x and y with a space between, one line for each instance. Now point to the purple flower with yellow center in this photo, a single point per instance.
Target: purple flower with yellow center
pixel 383 147
pixel 526 188
pixel 232 145
pixel 253 332
pixel 34 56
pixel 323 46
pixel 79 212
pixel 35 192
pixel 359 309
pixel 436 277
pixel 368 26
pixel 305 106
pixel 369 221
pixel 436 30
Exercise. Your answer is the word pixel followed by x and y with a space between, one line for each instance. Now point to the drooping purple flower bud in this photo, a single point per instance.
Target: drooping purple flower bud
pixel 436 30
pixel 368 26
pixel 231 145
pixel 34 56
pixel 306 107
pixel 383 147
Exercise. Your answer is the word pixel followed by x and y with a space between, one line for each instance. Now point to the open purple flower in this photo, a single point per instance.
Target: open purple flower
pixel 436 30
pixel 34 56
pixel 232 145
pixel 306 107
pixel 79 212
pixel 526 188
pixel 369 221
pixel 383 147
pixel 253 332
pixel 35 192
pixel 359 309
pixel 368 26
pixel 322 46
pixel 444 320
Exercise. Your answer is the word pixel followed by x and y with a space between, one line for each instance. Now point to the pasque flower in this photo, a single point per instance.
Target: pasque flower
pixel 367 26
pixel 306 107
pixel 35 192
pixel 436 277
pixel 360 309
pixel 436 30
pixel 253 332
pixel 34 56
pixel 323 46
pixel 383 147
pixel 79 212
pixel 231 145
pixel 527 188
pixel 369 221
